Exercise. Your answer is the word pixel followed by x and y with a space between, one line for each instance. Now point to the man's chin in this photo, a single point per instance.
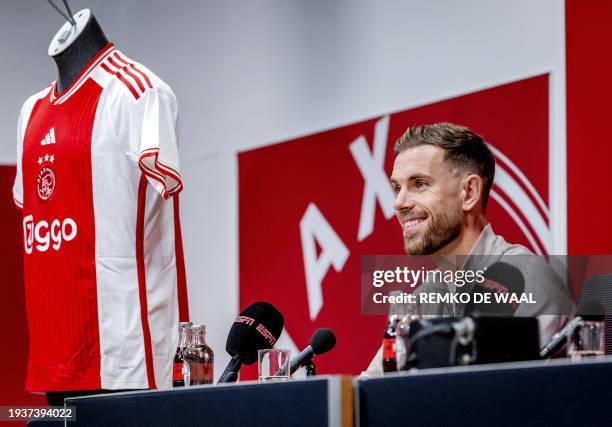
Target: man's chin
pixel 414 248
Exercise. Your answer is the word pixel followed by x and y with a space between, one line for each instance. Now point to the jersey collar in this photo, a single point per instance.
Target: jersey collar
pixel 56 98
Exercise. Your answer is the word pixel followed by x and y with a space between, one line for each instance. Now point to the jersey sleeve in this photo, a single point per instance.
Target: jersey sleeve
pixel 158 145
pixel 22 123
pixel 18 185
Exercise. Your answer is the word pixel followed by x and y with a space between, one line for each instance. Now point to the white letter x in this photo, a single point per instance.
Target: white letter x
pixel 372 168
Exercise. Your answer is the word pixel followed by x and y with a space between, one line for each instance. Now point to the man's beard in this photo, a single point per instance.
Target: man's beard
pixel 442 229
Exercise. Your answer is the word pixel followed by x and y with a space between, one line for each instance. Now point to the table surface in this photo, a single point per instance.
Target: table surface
pixel 557 392
pixel 322 401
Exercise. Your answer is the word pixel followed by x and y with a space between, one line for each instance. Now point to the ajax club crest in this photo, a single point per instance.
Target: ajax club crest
pixel 45 180
pixel 45 183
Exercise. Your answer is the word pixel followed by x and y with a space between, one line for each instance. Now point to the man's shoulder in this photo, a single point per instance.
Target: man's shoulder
pixel 533 267
pixel 500 246
pixel 540 278
pixel 520 257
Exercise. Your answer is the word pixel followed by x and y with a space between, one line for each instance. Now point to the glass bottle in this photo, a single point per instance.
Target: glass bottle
pixel 199 357
pixel 180 369
pixel 402 340
pixel 389 355
pixel 397 312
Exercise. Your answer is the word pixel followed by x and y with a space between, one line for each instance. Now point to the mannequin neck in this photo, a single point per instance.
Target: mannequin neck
pixel 81 50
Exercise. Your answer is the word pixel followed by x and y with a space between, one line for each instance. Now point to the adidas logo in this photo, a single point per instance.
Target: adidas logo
pixel 49 138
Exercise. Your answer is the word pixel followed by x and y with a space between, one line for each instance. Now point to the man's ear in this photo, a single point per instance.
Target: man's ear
pixel 471 191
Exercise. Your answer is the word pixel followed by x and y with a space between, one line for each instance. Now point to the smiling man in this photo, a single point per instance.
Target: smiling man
pixel 442 177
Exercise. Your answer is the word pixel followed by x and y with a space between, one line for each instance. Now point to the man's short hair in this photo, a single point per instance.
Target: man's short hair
pixel 464 149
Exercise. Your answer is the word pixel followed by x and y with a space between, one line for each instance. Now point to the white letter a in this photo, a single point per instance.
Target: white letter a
pixel 313 225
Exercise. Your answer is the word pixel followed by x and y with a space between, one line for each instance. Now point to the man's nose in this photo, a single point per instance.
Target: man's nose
pixel 403 201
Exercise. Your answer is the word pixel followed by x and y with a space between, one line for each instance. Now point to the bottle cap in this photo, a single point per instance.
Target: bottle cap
pixel 198 327
pixel 184 325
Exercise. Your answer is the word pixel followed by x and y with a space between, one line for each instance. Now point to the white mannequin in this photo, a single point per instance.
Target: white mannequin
pixel 68 33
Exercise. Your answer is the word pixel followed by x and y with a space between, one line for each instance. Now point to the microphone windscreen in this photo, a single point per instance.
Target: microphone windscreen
pixel 257 327
pixel 322 341
pixel 506 275
pixel 591 310
pixel 500 277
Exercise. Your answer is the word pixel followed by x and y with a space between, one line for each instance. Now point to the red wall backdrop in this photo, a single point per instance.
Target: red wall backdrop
pixel 589 144
pixel 279 182
pixel 14 327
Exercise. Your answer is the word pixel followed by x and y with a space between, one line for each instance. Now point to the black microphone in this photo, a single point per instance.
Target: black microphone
pixel 256 328
pixel 587 311
pixel 321 342
pixel 500 278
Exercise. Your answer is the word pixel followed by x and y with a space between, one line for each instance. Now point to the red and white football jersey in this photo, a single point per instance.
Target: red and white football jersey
pixel 97 180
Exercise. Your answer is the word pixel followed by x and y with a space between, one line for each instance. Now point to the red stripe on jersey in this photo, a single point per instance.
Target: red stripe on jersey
pixel 176 189
pixel 181 281
pixel 122 79
pixel 157 178
pixel 152 172
pixel 172 174
pixel 127 71
pixel 153 152
pixel 127 63
pixel 168 170
pixel 142 74
pixel 142 281
pixel 147 169
pixel 154 175
pixel 149 150
pixel 120 59
pixel 165 194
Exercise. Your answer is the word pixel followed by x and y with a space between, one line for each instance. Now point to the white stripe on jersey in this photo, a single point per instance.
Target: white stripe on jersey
pixel 120 326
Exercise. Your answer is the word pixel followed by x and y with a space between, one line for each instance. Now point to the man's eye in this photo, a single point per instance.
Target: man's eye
pixel 421 184
pixel 396 189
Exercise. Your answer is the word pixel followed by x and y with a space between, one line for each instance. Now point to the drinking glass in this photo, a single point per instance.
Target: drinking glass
pixel 273 364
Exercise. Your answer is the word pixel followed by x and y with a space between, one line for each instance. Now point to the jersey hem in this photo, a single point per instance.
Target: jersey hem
pixel 118 385
pixel 42 388
pixel 108 385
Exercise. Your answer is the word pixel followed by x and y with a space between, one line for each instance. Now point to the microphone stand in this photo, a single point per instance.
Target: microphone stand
pixel 311 369
pixel 230 377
